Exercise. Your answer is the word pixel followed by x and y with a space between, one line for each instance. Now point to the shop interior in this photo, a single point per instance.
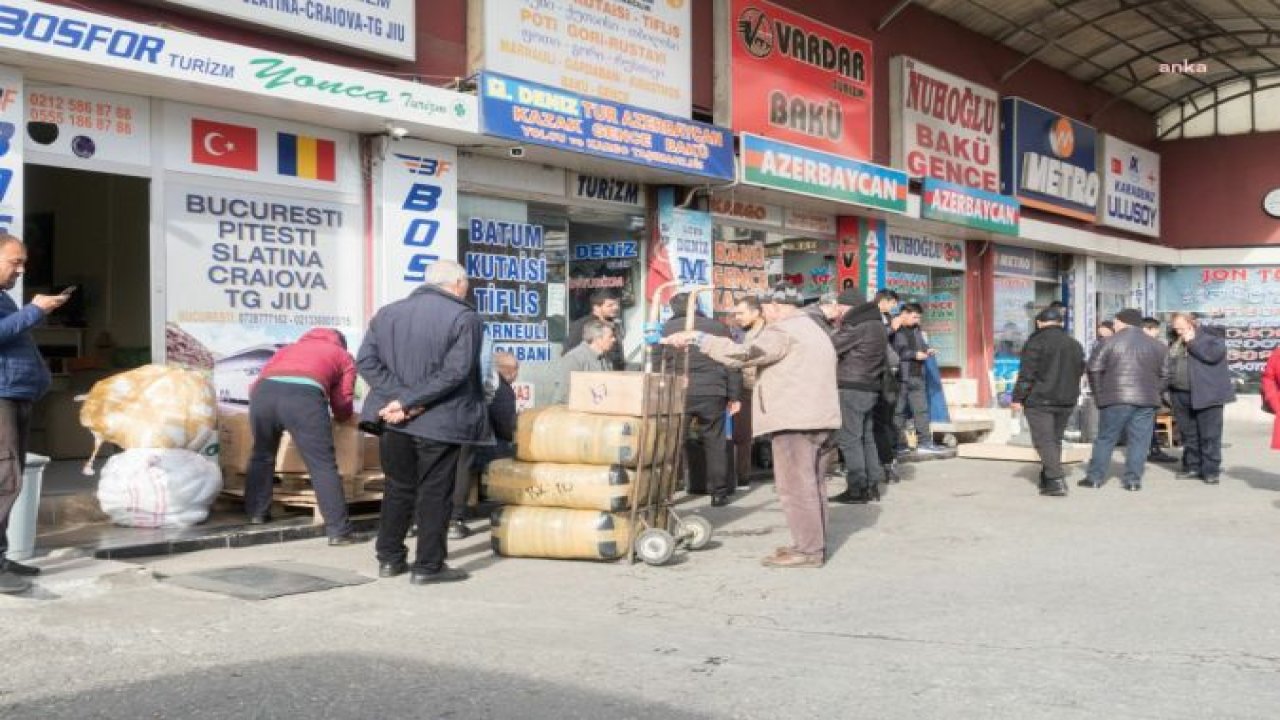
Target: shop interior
pixel 90 230
pixel 941 293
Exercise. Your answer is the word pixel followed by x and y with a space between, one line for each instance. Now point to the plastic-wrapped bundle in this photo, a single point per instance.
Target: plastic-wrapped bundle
pixel 585 487
pixel 158 488
pixel 559 435
pixel 559 533
pixel 151 407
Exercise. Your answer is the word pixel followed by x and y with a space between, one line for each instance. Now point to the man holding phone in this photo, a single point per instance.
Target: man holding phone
pixel 25 380
pixel 913 351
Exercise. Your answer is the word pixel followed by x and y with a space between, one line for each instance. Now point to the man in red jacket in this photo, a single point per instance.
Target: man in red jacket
pixel 295 392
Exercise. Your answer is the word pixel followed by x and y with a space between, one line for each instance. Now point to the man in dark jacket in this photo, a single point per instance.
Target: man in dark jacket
pixel 421 358
pixel 884 422
pixel 1046 391
pixel 607 308
pixel 861 347
pixel 24 379
pixel 1200 385
pixel 1127 376
pixel 713 390
pixel 471 465
pixel 295 393
pixel 909 343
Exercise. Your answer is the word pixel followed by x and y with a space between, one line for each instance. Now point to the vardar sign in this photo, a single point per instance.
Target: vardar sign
pixel 1048 161
pixel 944 127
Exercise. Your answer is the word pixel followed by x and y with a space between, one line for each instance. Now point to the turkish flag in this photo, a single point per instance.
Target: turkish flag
pixel 224 145
pixel 1117 167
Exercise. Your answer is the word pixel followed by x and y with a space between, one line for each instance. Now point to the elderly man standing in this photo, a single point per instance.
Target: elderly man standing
pixel 421 358
pixel 1047 390
pixel 592 355
pixel 1127 376
pixel 1200 385
pixel 25 380
pixel 795 401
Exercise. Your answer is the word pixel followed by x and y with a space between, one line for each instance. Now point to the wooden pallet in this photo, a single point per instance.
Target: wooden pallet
pixel 294 490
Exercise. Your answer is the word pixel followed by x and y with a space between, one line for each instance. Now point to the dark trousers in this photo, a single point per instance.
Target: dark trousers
pixel 742 441
pixel 1201 435
pixel 15 426
pixel 913 397
pixel 303 411
pixel 705 449
pixel 464 478
pixel 885 428
pixel 1048 424
pixel 857 439
pixel 1136 423
pixel 419 488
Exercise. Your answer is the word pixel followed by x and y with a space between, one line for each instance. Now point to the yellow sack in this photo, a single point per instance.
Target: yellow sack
pixel 151 407
pixel 585 487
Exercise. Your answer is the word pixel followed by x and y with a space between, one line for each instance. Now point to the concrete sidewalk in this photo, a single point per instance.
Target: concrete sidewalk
pixel 962 595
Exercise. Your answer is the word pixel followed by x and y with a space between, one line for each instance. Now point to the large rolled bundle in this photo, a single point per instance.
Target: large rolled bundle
pixel 153 406
pixel 557 434
pixel 559 533
pixel 584 487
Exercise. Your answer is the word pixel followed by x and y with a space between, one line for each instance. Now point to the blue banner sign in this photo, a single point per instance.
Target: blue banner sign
pixel 1049 161
pixel 542 115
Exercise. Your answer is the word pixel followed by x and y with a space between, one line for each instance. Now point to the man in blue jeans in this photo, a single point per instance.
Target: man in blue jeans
pixel 1127 375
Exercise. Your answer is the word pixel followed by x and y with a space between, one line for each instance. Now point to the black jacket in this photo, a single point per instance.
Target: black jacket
pixel 502 411
pixel 1052 365
pixel 907 341
pixel 862 348
pixel 615 355
pixel 707 378
pixel 1207 370
pixel 424 351
pixel 1128 369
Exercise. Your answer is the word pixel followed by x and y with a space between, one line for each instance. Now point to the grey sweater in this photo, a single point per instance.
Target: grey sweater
pixel 583 358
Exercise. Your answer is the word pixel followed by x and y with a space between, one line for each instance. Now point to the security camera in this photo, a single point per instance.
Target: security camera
pixel 395 132
pixel 516 152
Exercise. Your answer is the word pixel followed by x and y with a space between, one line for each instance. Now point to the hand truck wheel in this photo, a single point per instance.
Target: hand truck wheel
pixel 696 530
pixel 655 546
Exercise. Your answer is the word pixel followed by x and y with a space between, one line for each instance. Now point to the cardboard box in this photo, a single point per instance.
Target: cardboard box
pixel 613 393
pixel 347 446
pixel 235 441
pixel 372 452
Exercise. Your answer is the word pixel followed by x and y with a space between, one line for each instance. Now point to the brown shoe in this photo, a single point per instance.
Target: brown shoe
pixel 792 559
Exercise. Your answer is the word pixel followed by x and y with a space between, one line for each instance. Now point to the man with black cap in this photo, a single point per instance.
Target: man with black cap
pixel 861 343
pixel 1127 375
pixel 1046 391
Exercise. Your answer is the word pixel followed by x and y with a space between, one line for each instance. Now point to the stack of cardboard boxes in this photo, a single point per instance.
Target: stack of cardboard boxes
pixel 357 455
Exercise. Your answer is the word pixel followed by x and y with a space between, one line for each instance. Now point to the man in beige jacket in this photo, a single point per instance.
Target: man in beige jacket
pixel 795 401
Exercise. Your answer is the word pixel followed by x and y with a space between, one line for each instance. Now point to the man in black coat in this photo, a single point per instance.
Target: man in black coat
pixel 862 347
pixel 607 308
pixel 421 359
pixel 883 422
pixel 1200 386
pixel 713 389
pixel 913 398
pixel 1046 391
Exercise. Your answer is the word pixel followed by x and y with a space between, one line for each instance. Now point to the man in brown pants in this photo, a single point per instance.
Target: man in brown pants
pixel 795 401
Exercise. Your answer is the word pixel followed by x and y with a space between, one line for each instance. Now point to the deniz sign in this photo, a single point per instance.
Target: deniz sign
pixel 621 250
pixel 796 80
pixel 1130 187
pixel 1048 161
pixel 944 127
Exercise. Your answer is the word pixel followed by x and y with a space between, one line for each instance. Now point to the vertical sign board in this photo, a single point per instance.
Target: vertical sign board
pixel 797 80
pixel 11 176
pixel 1130 188
pixel 860 261
pixel 635 53
pixel 944 127
pixel 507 264
pixel 419 214
pixel 682 248
pixel 1048 161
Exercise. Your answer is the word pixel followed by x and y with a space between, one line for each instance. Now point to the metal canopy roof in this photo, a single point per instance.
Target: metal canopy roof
pixel 1119 45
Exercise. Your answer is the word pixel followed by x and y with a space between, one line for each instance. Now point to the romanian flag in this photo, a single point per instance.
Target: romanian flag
pixel 306 157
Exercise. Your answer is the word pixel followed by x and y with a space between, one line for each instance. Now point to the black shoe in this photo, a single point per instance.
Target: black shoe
pixel 392 569
pixel 1133 487
pixel 444 575
pixel 721 500
pixel 1090 484
pixel 343 540
pixel 1053 487
pixel 17 568
pixel 1188 474
pixel 844 498
pixel 891 475
pixel 1161 456
pixel 11 584
pixel 744 483
pixel 1210 479
pixel 262 519
pixel 458 530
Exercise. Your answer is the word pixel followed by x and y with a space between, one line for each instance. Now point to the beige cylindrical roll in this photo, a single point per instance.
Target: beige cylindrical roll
pixel 557 434
pixel 559 533
pixel 584 487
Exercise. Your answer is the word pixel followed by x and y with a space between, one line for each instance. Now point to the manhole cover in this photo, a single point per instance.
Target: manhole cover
pixel 268 580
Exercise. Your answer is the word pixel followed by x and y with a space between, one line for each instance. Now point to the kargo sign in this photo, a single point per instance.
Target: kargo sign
pixel 944 127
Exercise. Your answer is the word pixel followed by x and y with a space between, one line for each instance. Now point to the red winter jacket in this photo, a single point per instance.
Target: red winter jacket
pixel 320 355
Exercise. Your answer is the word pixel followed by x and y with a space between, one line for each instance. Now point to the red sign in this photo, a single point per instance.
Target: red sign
pixel 224 145
pixel 799 81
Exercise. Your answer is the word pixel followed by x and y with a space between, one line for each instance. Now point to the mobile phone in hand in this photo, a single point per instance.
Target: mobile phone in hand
pixel 68 290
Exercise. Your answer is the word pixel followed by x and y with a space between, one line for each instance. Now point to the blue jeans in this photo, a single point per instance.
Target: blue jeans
pixel 1137 423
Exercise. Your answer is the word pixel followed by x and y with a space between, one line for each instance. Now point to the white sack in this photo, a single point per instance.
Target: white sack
pixel 158 488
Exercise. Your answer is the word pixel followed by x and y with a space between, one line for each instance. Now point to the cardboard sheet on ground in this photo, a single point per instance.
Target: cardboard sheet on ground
pixel 264 581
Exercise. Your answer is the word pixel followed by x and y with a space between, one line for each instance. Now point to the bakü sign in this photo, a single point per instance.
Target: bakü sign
pixel 1048 161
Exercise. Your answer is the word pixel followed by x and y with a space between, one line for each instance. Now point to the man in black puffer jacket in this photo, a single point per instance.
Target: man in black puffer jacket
pixel 861 345
pixel 1046 392
pixel 1127 375
pixel 713 389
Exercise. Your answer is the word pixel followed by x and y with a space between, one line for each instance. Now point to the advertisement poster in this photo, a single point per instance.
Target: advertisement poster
pixel 11 158
pixel 602 263
pixel 738 269
pixel 249 270
pixel 1243 300
pixel 682 248
pixel 780 166
pixel 944 127
pixel 943 318
pixel 860 257
pixel 1130 187
pixel 1015 299
pixel 544 115
pixel 910 286
pixel 797 80
pixel 977 209
pixel 507 264
pixel 1049 161
pixel 809 273
pixel 90 125
pixel 634 53
pixel 419 214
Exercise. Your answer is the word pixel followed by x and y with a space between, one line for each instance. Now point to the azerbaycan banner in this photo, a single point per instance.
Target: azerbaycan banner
pixel 944 127
pixel 780 166
pixel 797 80
pixel 977 209
pixel 1049 161
pixel 1130 187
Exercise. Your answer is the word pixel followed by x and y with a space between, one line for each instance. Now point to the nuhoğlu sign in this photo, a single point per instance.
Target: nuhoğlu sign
pixel 809 172
pixel 977 209
pixel 1048 161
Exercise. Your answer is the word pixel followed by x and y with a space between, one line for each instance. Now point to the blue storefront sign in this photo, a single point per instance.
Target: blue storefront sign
pixel 1048 161
pixel 541 115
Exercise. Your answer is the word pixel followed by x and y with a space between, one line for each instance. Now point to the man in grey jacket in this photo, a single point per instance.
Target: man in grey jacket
pixel 592 355
pixel 1127 375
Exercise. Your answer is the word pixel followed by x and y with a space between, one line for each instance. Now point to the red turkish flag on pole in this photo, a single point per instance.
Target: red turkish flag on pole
pixel 224 145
